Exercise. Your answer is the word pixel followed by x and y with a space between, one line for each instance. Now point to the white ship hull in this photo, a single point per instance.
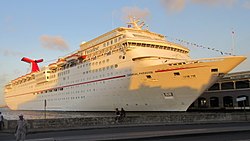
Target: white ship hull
pixel 126 68
pixel 132 90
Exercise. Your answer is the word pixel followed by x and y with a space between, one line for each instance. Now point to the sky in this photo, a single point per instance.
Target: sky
pixel 49 29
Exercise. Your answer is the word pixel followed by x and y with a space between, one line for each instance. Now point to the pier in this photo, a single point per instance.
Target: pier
pixel 144 126
pixel 165 118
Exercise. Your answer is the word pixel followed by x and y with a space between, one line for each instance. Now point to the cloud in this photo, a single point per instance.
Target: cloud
pixel 8 52
pixel 179 5
pixel 53 42
pixel 174 5
pixel 134 12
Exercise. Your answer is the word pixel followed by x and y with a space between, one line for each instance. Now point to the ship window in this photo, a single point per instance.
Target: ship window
pixel 176 73
pixel 149 76
pixel 214 70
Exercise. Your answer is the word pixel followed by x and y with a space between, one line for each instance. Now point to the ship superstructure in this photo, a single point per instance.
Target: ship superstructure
pixel 128 67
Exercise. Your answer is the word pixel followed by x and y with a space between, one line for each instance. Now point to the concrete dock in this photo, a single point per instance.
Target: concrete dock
pixel 139 127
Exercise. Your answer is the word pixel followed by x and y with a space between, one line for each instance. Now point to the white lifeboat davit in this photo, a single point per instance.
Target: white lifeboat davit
pixel 52 66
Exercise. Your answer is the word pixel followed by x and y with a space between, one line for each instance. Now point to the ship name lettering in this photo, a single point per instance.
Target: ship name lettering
pixel 132 74
pixel 149 72
pixel 190 76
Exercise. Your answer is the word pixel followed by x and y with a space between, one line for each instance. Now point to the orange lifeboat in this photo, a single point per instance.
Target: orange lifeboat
pixel 82 57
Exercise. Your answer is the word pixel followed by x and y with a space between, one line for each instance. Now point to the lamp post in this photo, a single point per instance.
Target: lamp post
pixel 45 105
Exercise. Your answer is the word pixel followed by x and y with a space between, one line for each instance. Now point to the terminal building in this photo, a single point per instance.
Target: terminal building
pixel 231 92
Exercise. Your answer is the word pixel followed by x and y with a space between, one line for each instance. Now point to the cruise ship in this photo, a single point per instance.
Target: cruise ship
pixel 128 67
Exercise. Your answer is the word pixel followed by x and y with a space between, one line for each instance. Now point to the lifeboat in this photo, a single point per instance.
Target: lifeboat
pixel 72 57
pixel 82 57
pixel 61 62
pixel 52 66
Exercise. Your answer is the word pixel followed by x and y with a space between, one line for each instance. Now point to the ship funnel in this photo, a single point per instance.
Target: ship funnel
pixel 34 66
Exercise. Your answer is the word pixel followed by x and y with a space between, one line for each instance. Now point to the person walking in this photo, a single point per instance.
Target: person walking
pixel 1 121
pixel 21 129
pixel 123 113
pixel 117 115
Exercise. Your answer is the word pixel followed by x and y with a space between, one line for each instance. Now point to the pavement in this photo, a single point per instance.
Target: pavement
pixel 199 129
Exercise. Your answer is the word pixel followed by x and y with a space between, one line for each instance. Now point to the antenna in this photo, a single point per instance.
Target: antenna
pixel 112 19
pixel 233 43
pixel 134 23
